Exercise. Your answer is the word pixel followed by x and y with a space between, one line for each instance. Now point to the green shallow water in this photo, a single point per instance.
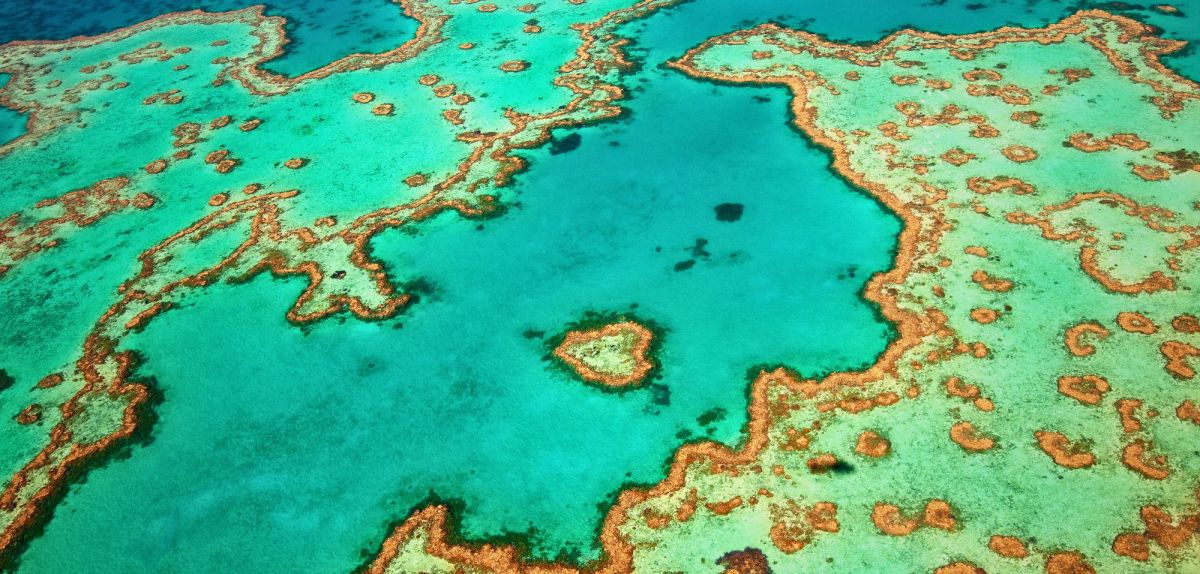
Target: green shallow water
pixel 287 449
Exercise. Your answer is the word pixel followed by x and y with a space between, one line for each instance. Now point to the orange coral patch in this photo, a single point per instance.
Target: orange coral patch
pixel 1068 563
pixel 1134 457
pixel 983 315
pixel 1019 153
pixel 1073 338
pixel 872 444
pixel 1008 546
pixel 1177 354
pixel 991 283
pixel 965 435
pixel 1187 324
pixel 888 519
pixel 1087 389
pixel 1062 451
pixel 1136 323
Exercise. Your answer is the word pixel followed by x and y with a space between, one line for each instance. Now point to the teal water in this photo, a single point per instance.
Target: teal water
pixel 12 124
pixel 319 32
pixel 281 449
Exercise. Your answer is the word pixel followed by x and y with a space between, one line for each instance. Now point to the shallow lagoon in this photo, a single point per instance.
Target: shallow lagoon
pixel 454 396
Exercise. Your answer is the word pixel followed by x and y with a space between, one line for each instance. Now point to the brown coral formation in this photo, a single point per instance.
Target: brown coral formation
pixel 143 200
pixel 1019 153
pixel 1063 451
pixel 1187 411
pixel 155 167
pixel 1136 456
pixel 965 435
pixel 889 519
pixel 1186 324
pixel 1132 545
pixel 1087 389
pixel 615 355
pixel 1127 414
pixel 990 282
pixel 1008 546
pixel 957 157
pixel 29 415
pixel 1136 323
pixel 984 186
pixel 748 561
pixel 1151 172
pixel 983 315
pixel 1161 529
pixel 1177 354
pixel 514 66
pixel 723 507
pixel 79 208
pixel 1068 563
pixel 1074 338
pixel 959 568
pixel 872 444
pixel 50 381
pixel 793 527
pixel 956 387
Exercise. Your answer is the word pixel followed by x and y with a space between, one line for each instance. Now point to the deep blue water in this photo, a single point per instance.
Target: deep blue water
pixel 320 32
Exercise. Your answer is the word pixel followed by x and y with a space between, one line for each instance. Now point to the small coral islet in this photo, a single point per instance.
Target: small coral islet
pixel 614 355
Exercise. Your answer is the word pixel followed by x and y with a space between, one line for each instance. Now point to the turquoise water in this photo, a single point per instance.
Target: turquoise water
pixel 12 124
pixel 282 449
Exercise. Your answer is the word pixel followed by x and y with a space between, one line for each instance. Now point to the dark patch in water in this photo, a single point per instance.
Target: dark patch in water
pixel 685 265
pixel 711 416
pixel 748 561
pixel 842 467
pixel 660 395
pixel 729 211
pixel 565 145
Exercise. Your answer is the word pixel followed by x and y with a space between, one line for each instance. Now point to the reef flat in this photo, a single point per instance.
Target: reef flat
pixel 1033 413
